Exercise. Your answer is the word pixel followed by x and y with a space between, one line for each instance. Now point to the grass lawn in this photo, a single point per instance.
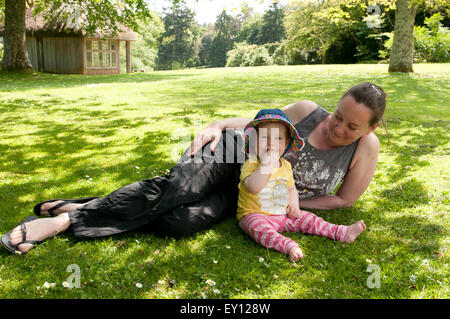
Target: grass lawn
pixel 67 136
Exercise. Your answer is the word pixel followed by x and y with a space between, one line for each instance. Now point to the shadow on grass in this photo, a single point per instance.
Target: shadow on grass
pixel 10 81
pixel 58 146
pixel 406 236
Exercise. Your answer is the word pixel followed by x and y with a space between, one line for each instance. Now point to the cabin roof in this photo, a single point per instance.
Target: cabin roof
pixel 37 25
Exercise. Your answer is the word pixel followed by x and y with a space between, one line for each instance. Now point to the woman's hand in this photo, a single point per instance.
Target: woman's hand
pixel 211 133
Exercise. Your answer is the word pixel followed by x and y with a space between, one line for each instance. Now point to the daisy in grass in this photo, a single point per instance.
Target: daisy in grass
pixel 211 282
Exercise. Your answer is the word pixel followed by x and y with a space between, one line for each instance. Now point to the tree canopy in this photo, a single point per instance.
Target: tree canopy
pixel 305 31
pixel 177 42
pixel 87 16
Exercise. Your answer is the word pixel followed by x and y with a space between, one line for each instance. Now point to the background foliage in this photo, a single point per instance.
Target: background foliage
pixel 310 32
pixel 303 32
pixel 431 41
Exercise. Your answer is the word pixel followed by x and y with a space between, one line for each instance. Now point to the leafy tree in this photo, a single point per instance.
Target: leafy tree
pixel 177 43
pixel 205 47
pixel 222 42
pixel 15 55
pixel 328 26
pixel 401 59
pixel 105 15
pixel 246 12
pixel 332 28
pixel 145 49
pixel 251 30
pixel 272 28
pixel 431 42
pixel 402 51
pixel 267 28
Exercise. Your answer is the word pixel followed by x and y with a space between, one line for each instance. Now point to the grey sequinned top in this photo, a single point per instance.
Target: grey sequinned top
pixel 318 172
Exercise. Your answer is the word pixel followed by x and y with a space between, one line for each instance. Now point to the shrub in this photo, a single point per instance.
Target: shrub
pixel 278 52
pixel 244 54
pixel 235 57
pixel 279 56
pixel 257 57
pixel 431 42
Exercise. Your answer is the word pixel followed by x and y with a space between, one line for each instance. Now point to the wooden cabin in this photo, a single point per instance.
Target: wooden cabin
pixel 59 50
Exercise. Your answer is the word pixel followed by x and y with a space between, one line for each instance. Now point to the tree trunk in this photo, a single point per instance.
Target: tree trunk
pixel 401 59
pixel 15 56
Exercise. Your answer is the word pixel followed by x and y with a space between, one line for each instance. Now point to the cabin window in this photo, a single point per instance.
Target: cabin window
pixel 101 53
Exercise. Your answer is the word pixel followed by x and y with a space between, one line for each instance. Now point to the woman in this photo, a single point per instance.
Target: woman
pixel 201 190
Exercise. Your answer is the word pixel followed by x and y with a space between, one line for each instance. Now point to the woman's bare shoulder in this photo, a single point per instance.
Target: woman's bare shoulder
pixel 298 111
pixel 367 150
pixel 370 142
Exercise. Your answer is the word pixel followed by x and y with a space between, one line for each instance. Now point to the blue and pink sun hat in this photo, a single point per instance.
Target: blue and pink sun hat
pixel 274 115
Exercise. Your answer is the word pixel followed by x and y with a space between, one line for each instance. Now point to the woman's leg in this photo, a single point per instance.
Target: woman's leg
pixel 40 229
pixel 189 183
pixel 141 203
pixel 180 192
pixel 63 209
pixel 185 220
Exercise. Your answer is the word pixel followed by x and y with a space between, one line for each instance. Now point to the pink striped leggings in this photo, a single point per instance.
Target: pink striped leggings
pixel 264 229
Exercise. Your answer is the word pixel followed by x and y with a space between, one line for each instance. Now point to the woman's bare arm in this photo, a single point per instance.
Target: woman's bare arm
pixel 296 112
pixel 213 132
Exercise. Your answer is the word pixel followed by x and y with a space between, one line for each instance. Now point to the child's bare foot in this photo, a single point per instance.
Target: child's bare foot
pixel 295 254
pixel 354 231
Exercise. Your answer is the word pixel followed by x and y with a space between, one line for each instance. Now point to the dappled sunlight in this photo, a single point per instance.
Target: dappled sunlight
pixel 77 136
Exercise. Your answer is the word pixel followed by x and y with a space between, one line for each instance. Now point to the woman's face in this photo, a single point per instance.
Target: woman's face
pixel 349 122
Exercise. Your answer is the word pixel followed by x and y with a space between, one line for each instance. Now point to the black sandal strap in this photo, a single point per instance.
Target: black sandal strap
pixel 24 231
pixel 51 210
pixel 24 235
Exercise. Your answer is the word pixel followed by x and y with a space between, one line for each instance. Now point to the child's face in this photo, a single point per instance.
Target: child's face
pixel 272 136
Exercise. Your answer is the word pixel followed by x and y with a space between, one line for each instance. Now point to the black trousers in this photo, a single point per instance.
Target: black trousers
pixel 198 193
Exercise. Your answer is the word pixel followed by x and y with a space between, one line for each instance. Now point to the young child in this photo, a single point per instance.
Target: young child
pixel 268 199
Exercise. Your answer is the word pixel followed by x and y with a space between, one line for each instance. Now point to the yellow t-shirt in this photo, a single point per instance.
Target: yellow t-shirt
pixel 273 198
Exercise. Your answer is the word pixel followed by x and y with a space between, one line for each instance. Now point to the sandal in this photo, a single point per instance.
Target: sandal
pixel 6 240
pixel 37 208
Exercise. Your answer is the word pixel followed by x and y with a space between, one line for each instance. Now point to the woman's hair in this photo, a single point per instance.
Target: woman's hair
pixel 372 96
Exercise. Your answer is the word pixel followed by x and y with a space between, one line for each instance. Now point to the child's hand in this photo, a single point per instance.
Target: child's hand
pixel 269 159
pixel 293 211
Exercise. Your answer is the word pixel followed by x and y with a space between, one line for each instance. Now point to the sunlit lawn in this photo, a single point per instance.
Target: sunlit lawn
pixel 67 136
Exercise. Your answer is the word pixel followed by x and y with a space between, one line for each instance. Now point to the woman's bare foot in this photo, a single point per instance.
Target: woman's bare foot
pixel 39 229
pixel 354 231
pixel 295 254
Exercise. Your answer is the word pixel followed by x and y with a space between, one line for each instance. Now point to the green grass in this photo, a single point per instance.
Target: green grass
pixel 65 136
